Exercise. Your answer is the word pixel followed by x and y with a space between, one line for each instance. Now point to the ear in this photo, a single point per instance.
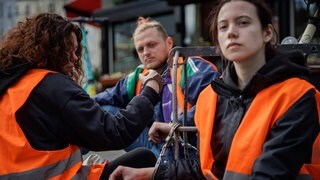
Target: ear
pixel 268 33
pixel 169 42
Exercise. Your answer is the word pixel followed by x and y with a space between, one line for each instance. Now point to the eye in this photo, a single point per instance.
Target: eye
pixel 243 22
pixel 140 50
pixel 222 26
pixel 152 45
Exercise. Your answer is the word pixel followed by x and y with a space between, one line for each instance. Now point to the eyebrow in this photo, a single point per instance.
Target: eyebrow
pixel 237 18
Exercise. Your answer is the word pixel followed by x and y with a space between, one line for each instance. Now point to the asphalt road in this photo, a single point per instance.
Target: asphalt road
pixel 107 155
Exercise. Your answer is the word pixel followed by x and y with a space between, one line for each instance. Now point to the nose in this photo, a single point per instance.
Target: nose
pixel 232 31
pixel 146 51
pixel 74 57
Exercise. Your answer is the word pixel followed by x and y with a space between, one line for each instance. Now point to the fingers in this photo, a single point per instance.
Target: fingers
pixel 147 75
pixel 153 134
pixel 154 138
pixel 152 79
pixel 158 131
pixel 117 174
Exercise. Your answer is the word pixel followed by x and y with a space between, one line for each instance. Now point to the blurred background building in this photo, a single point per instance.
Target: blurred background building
pixel 110 23
pixel 12 11
pixel 185 20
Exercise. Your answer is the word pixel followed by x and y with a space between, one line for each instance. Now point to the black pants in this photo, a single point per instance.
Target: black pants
pixel 137 158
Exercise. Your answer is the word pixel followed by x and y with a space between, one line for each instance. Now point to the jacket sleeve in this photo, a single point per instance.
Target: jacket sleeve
pixel 97 130
pixel 115 96
pixel 200 73
pixel 289 144
pixel 54 117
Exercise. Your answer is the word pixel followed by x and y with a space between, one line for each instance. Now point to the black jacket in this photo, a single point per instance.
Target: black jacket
pixel 58 112
pixel 281 158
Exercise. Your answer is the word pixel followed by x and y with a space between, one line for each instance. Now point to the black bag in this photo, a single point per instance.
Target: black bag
pixel 186 168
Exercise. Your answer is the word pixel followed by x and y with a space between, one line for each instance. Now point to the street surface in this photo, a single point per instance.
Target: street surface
pixel 107 155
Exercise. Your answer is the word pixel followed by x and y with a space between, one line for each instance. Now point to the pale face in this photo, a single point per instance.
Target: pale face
pixel 240 35
pixel 152 49
pixel 69 67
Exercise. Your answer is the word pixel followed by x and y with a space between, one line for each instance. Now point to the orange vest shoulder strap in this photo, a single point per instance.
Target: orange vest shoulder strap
pixel 25 85
pixel 204 116
pixel 139 84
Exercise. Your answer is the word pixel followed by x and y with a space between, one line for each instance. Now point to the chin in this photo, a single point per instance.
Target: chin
pixel 152 66
pixel 236 58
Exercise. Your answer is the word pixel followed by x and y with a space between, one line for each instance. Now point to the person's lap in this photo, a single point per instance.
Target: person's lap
pixel 142 141
pixel 137 158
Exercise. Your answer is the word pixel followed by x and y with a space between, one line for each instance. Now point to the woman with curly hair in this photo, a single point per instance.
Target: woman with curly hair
pixel 46 116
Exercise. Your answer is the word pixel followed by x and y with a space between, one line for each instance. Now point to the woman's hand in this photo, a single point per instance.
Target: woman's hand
pixel 159 131
pixel 152 79
pixel 128 173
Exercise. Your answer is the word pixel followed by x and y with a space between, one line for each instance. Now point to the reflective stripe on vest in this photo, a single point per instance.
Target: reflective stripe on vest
pixel 17 158
pixel 50 171
pixel 249 139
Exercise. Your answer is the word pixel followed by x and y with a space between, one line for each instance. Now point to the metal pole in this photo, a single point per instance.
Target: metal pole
pixel 174 102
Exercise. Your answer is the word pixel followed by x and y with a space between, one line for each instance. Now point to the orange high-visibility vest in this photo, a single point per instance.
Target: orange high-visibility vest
pixel 266 108
pixel 18 160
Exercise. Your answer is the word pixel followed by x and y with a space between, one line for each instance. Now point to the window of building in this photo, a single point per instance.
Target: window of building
pixel 27 10
pixel 51 7
pixel 125 58
pixel 1 10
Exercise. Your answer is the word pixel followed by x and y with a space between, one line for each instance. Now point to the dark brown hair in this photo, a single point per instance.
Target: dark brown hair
pixel 43 41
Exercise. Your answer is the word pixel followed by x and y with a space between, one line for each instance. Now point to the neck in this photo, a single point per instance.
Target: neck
pixel 161 68
pixel 246 69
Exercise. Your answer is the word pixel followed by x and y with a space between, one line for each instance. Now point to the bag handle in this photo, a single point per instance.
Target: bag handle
pixel 169 138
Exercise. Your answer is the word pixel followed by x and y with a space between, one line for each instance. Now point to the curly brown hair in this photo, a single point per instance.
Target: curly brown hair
pixel 42 41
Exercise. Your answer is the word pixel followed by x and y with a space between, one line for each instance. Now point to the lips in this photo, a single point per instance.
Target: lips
pixel 233 44
pixel 148 59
